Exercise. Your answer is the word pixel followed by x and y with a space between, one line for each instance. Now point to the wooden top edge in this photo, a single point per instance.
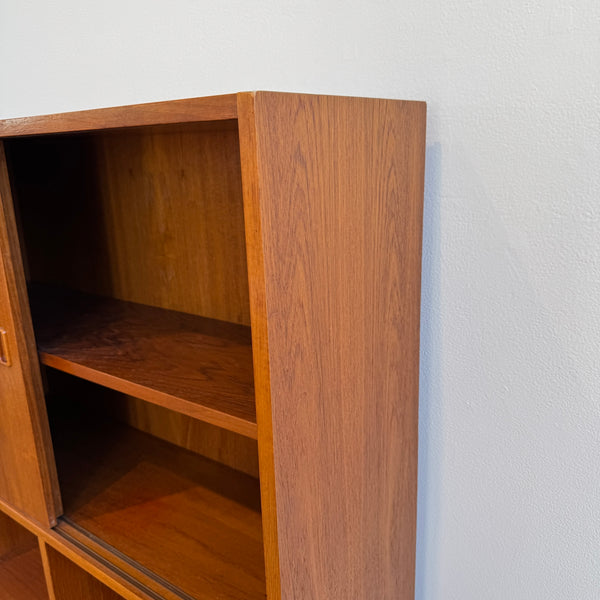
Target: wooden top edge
pixel 208 108
pixel 349 97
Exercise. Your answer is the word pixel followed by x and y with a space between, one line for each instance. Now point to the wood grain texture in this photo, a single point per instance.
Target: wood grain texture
pixel 72 583
pixel 260 343
pixel 21 573
pixel 85 559
pixel 189 520
pixel 221 445
pixel 43 549
pixel 226 447
pixel 209 108
pixel 341 192
pixel 88 561
pixel 27 471
pixel 332 198
pixel 22 577
pixel 150 215
pixel 14 538
pixel 196 366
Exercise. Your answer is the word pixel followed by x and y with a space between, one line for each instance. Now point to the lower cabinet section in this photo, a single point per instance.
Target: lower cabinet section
pixel 32 570
pixel 169 517
pixel 21 570
pixel 149 511
pixel 70 582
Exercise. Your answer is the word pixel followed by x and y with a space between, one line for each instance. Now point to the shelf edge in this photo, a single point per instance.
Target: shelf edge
pixel 180 405
pixel 208 108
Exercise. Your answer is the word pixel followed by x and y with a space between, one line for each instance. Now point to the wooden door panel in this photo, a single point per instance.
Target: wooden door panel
pixel 27 470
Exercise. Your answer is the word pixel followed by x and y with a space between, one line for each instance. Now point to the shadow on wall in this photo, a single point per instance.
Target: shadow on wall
pixel 430 353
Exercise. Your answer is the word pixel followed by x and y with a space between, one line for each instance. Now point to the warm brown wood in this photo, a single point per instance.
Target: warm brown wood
pixel 43 547
pixel 341 188
pixel 14 538
pixel 150 215
pixel 226 447
pixel 209 108
pixel 260 344
pixel 27 472
pixel 88 561
pixel 21 573
pixel 5 360
pixel 196 366
pixel 72 583
pixel 149 582
pixel 330 190
pixel 189 520
pixel 22 577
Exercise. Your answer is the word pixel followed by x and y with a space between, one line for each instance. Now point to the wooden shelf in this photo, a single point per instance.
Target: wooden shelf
pixel 22 576
pixel 192 365
pixel 186 519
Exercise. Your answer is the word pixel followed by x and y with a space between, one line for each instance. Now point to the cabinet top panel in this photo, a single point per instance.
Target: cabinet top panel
pixel 209 108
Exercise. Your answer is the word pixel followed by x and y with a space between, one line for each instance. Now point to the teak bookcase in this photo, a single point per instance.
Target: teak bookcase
pixel 209 345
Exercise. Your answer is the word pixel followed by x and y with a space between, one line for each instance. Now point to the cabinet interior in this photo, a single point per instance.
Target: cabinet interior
pixel 192 522
pixel 70 582
pixel 21 570
pixel 134 251
pixel 152 215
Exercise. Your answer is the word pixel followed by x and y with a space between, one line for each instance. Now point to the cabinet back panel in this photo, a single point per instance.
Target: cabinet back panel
pixel 13 537
pixel 151 215
pixel 226 447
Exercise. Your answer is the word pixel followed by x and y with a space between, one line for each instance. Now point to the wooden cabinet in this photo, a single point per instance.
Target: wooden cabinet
pixel 211 310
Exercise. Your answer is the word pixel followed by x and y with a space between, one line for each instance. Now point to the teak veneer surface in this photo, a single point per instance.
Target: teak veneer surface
pixel 208 108
pixel 27 471
pixel 193 365
pixel 189 520
pixel 70 582
pixel 339 188
pixel 332 199
pixel 21 570
pixel 222 445
pixel 100 569
pixel 22 576
pixel 151 215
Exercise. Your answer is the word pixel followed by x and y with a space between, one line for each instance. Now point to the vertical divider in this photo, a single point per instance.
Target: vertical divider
pixel 47 571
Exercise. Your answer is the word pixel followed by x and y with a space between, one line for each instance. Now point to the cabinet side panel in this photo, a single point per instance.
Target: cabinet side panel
pixel 28 478
pixel 341 194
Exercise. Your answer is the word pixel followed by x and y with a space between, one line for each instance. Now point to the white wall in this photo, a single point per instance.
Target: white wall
pixel 509 504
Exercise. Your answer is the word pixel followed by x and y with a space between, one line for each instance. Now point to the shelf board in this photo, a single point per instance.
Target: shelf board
pixel 207 108
pixel 190 521
pixel 192 365
pixel 22 576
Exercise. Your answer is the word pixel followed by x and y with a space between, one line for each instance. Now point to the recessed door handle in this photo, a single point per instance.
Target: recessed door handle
pixel 4 353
